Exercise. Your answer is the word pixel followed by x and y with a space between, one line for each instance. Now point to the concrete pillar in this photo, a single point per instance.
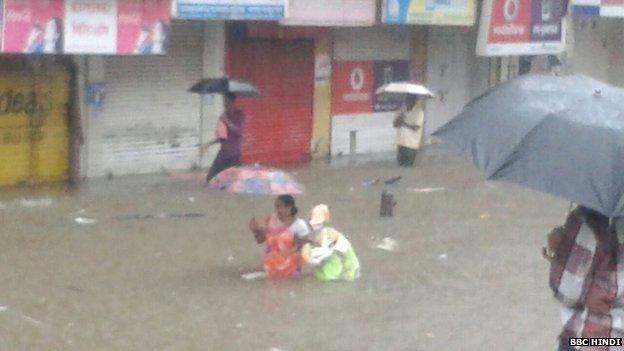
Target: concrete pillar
pixel 212 105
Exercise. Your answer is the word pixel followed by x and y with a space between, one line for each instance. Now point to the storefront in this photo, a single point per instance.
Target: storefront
pixel 36 122
pixel 280 62
pixel 147 120
pixel 363 60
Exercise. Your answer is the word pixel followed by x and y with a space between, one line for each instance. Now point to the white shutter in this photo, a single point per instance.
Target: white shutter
pixel 149 120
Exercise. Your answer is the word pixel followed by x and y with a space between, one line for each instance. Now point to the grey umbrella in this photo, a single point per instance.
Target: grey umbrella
pixel 224 85
pixel 560 135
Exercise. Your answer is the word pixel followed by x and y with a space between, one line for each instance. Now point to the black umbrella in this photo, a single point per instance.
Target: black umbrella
pixel 224 86
pixel 560 135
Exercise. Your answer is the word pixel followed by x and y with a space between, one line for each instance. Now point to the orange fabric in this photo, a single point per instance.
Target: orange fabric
pixel 282 258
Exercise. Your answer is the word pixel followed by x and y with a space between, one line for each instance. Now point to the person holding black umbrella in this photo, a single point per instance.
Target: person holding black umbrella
pixel 584 271
pixel 229 130
pixel 229 133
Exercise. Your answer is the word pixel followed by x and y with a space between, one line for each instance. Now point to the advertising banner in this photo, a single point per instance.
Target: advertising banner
pixel 388 72
pixel 352 87
pixel 429 12
pixel 334 13
pixel 354 84
pixel 603 8
pixel 143 27
pixel 33 26
pixel 128 27
pixel 91 26
pixel 230 9
pixel 521 27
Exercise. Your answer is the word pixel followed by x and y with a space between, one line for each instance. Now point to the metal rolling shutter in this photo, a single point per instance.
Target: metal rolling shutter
pixel 148 120
pixel 279 123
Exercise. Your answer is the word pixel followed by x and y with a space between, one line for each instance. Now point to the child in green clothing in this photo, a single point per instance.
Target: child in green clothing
pixel 330 253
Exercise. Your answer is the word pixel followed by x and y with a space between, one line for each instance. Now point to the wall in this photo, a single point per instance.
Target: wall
pixel 454 72
pixel 596 49
pixel 213 66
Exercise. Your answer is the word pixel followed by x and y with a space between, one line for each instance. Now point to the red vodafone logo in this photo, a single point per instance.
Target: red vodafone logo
pixel 357 78
pixel 510 21
pixel 511 9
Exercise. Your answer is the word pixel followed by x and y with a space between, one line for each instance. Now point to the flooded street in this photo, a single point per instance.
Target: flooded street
pixel 155 263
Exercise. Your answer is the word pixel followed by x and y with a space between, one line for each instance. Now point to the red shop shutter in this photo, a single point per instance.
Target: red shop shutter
pixel 279 122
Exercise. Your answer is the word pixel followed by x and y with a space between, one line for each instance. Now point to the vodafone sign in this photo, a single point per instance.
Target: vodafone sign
pixel 352 87
pixel 521 27
pixel 354 84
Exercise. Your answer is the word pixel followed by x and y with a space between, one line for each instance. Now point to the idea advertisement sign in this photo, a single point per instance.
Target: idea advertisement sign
pixel 521 27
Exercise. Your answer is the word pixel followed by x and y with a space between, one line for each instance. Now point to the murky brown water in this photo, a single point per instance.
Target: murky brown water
pixel 467 274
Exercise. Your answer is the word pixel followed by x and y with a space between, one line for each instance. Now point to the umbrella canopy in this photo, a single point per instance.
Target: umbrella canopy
pixel 560 135
pixel 405 88
pixel 256 180
pixel 223 86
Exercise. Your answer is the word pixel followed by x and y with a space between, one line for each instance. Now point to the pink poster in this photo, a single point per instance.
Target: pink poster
pixel 143 27
pixel 33 26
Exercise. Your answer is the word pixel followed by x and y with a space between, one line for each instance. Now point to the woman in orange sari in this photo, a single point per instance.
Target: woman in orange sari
pixel 284 235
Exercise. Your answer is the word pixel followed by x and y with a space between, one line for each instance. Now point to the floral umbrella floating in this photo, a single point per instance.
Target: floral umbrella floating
pixel 256 180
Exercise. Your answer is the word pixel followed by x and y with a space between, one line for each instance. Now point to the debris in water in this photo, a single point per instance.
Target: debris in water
pixel 443 256
pixel 392 180
pixel 230 258
pixel 85 220
pixel 275 349
pixel 254 275
pixel 32 321
pixel 161 215
pixel 370 182
pixel 484 215
pixel 430 335
pixel 31 203
pixel 239 325
pixel 292 294
pixel 388 244
pixel 351 189
pixel 191 199
pixel 3 308
pixel 425 190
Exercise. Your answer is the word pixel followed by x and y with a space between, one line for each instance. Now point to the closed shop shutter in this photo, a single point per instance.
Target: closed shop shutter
pixel 279 123
pixel 149 121
pixel 34 128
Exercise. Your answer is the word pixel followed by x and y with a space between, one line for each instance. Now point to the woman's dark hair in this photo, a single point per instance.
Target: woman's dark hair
pixel 289 201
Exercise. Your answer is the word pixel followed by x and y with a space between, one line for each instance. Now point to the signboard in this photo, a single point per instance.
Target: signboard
pixel 354 84
pixel 143 27
pixel 603 8
pixel 31 26
pixel 388 72
pixel 521 27
pixel 86 26
pixel 91 26
pixel 334 13
pixel 230 9
pixel 352 87
pixel 429 12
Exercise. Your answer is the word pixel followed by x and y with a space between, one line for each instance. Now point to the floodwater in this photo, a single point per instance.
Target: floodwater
pixel 151 263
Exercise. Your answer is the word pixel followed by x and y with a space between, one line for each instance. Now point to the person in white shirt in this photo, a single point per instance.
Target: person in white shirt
pixel 410 127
